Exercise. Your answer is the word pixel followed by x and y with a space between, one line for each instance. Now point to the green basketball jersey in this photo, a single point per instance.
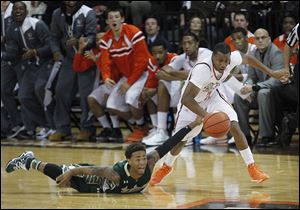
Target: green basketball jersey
pixel 127 183
pixel 96 184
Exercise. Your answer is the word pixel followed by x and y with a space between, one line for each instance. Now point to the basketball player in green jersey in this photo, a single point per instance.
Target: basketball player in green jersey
pixel 128 176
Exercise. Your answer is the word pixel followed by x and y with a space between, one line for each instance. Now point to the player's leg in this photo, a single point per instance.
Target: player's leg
pixel 97 101
pixel 132 98
pixel 27 161
pixel 184 118
pixel 152 110
pixel 163 104
pixel 218 103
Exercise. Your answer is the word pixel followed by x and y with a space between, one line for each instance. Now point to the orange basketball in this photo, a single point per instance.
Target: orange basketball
pixel 216 124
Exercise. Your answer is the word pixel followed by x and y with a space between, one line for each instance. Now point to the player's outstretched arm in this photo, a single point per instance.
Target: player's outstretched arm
pixel 64 179
pixel 248 59
pixel 163 149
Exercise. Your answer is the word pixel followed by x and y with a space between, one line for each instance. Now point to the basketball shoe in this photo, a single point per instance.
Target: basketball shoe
pixel 19 162
pixel 256 174
pixel 161 173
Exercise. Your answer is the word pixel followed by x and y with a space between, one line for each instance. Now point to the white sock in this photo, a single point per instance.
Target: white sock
pixel 140 121
pixel 154 119
pixel 247 156
pixel 115 121
pixel 162 120
pixel 104 121
pixel 170 159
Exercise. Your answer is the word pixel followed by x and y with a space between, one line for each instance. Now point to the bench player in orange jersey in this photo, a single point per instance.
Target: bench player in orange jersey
pixel 149 96
pixel 123 48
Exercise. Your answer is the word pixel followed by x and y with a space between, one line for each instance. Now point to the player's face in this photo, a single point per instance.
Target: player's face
pixel 151 27
pixel 240 41
pixel 288 24
pixel 19 12
pixel 189 45
pixel 159 53
pixel 240 21
pixel 114 20
pixel 138 162
pixel 220 61
pixel 195 24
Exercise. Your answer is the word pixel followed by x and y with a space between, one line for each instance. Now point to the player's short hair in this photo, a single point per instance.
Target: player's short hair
pixel 189 33
pixel 134 148
pixel 114 9
pixel 159 42
pixel 239 29
pixel 222 48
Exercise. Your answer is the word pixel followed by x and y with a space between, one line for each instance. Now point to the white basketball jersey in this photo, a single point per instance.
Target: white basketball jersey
pixel 207 78
pixel 183 61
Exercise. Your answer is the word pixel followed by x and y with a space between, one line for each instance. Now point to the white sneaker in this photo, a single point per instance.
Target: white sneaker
pixel 231 140
pixel 17 130
pixel 158 138
pixel 44 133
pixel 212 140
pixel 151 132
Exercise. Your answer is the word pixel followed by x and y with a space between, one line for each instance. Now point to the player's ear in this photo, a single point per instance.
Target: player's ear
pixel 122 20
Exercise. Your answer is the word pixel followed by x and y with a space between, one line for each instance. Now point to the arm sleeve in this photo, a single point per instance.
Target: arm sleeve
pixel 141 56
pixel 152 80
pixel 55 33
pixel 80 64
pixel 172 141
pixel 45 37
pixel 90 29
pixel 177 63
pixel 104 62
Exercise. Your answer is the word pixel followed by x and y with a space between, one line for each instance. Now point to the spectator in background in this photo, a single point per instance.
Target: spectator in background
pixel 70 22
pixel 259 84
pixel 51 6
pixel 240 20
pixel 9 76
pixel 195 26
pixel 29 45
pixel 287 25
pixel 100 8
pixel 138 9
pixel 152 27
pixel 36 9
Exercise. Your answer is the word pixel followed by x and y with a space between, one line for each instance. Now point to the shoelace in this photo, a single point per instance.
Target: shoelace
pixel 19 165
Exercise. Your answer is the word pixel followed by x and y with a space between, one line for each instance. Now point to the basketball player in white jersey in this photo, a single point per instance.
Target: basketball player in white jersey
pixel 200 96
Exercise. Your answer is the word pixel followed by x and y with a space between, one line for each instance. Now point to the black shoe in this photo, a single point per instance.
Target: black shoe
pixel 264 142
pixel 25 135
pixel 286 134
pixel 116 136
pixel 103 136
pixel 3 135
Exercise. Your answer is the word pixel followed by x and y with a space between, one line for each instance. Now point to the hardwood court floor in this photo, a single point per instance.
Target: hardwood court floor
pixel 213 177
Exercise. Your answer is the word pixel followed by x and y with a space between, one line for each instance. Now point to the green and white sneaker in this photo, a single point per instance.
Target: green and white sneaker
pixel 19 162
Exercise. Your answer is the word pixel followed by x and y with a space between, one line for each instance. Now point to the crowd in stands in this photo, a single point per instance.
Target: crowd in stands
pixel 126 61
